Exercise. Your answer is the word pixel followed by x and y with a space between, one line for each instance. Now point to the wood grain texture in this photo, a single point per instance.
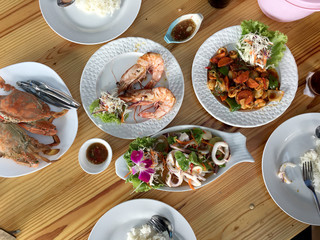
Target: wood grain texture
pixel 63 202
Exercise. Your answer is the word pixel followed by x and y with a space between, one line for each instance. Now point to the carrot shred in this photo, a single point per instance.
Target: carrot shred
pixel 127 174
pixel 207 143
pixel 184 143
pixel 122 117
pixel 205 168
pixel 190 185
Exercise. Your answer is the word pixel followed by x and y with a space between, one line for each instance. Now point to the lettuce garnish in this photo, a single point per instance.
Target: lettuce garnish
pixel 277 38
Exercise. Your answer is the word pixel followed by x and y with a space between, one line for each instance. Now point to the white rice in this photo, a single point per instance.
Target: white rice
pixel 100 7
pixel 313 156
pixel 145 232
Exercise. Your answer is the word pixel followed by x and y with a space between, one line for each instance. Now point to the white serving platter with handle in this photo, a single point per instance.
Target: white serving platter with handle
pixel 236 142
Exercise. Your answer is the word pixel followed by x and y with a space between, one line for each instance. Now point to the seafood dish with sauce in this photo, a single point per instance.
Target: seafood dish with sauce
pixel 176 158
pixel 246 78
pixel 22 112
pixel 125 99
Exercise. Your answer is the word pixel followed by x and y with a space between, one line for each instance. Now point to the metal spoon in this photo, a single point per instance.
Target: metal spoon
pixel 317 132
pixel 65 3
pixel 161 224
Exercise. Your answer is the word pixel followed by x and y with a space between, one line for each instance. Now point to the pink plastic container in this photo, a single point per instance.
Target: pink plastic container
pixel 288 10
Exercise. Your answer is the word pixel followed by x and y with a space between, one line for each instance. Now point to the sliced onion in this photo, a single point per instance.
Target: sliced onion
pixel 180 148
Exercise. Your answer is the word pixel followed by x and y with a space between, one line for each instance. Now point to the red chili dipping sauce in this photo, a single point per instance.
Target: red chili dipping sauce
pixel 183 30
pixel 97 153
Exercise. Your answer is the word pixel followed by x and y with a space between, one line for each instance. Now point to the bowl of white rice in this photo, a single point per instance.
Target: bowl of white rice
pixel 90 21
pixel 99 7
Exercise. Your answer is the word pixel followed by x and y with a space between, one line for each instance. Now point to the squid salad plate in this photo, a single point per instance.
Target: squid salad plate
pixel 41 143
pixel 132 87
pixel 181 158
pixel 236 84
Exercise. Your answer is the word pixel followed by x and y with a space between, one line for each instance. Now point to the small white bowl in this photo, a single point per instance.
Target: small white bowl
pixel 89 167
pixel 196 17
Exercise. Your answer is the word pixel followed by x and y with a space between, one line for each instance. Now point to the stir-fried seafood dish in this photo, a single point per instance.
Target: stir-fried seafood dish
pixel 239 85
pixel 116 106
pixel 247 78
pixel 176 158
pixel 20 111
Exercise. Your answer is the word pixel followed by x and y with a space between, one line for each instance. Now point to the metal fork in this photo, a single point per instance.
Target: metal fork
pixel 307 174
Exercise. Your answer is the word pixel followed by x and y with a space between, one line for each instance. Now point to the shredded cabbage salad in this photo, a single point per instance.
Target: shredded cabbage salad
pixel 255 49
pixel 259 46
pixel 110 108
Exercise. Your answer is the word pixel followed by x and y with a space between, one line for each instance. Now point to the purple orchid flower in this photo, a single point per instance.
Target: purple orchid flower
pixel 142 166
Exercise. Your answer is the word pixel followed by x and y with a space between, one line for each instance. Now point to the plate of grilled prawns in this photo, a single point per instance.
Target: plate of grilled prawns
pixel 33 133
pixel 132 87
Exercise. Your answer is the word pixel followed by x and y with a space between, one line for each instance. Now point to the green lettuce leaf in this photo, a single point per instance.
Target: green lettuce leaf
pixel 277 38
pixel 104 116
pixel 182 160
pixel 138 144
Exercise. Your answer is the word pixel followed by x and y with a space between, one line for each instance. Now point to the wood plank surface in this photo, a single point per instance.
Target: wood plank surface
pixel 63 202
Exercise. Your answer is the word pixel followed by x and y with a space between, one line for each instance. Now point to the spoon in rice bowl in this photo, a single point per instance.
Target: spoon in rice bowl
pixel 317 132
pixel 65 3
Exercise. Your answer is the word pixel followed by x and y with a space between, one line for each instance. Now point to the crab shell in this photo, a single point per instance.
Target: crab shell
pixel 29 112
pixel 21 106
pixel 15 144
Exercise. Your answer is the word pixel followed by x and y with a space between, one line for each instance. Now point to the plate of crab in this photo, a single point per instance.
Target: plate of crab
pixel 132 87
pixel 33 133
pixel 181 158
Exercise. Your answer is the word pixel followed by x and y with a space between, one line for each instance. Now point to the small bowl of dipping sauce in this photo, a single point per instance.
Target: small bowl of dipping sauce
pixel 314 83
pixel 95 155
pixel 183 28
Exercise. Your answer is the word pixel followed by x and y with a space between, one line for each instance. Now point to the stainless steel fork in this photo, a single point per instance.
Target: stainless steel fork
pixel 307 174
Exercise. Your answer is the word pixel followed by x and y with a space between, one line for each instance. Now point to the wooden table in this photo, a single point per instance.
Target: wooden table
pixel 63 202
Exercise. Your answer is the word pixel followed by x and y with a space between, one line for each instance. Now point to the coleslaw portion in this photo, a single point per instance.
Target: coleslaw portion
pixel 259 46
pixel 255 49
pixel 110 108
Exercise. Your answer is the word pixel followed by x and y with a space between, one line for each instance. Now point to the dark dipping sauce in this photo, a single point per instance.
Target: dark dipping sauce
pixel 314 83
pixel 183 30
pixel 97 153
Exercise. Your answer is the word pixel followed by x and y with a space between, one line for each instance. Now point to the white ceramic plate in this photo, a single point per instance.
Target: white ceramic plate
pixel 286 144
pixel 115 223
pixel 238 150
pixel 67 125
pixel 227 37
pixel 80 27
pixel 107 65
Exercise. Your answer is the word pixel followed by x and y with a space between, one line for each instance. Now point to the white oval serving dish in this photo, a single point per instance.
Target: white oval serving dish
pixel 236 142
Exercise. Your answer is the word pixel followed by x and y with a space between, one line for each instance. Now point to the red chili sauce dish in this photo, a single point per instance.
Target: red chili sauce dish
pixel 183 30
pixel 97 153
